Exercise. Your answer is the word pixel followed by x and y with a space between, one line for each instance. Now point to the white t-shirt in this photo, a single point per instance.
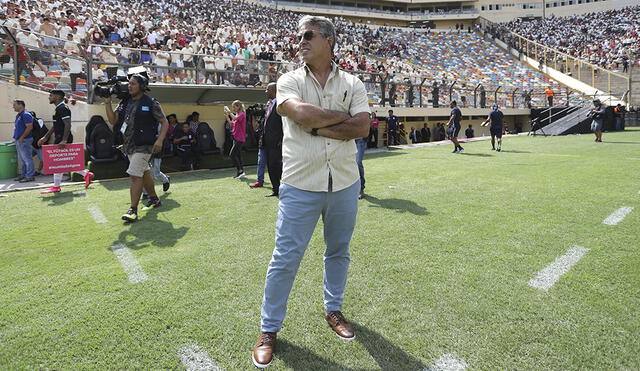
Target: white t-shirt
pixel 209 62
pixel 64 31
pixel 176 57
pixel 70 46
pixel 220 63
pixel 187 53
pixel 162 58
pixel 97 73
pixel 75 65
pixel 109 55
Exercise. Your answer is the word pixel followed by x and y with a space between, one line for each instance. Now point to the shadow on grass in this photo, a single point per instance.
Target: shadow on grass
pixel 397 204
pixel 176 178
pixel 299 358
pixel 387 355
pixel 150 230
pixel 476 154
pixel 514 151
pixel 57 199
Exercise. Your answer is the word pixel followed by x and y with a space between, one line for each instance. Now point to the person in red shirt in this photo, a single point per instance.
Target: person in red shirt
pixel 24 62
pixel 72 21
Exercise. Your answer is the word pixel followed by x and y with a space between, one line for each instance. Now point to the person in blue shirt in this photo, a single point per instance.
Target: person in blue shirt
pixel 496 118
pixel 597 114
pixel 453 126
pixel 24 139
pixel 392 129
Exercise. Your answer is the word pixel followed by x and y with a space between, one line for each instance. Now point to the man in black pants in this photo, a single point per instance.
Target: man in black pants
pixel 272 140
pixel 392 129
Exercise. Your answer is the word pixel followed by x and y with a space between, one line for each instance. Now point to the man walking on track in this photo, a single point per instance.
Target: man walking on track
pixel 496 118
pixel 61 130
pixel 454 126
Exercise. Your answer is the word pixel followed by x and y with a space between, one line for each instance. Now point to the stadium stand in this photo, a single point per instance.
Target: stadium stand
pixel 605 38
pixel 396 54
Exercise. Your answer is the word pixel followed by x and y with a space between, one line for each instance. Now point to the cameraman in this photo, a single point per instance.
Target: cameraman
pixel 597 114
pixel 140 115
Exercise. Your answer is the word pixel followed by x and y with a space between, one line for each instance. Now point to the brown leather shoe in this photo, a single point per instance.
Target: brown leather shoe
pixel 340 325
pixel 262 354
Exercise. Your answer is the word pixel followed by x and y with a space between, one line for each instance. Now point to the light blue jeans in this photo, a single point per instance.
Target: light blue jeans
pixel 298 214
pixel 25 152
pixel 262 164
pixel 156 162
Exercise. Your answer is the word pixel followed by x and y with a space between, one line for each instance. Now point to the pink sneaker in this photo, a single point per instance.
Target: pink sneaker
pixel 88 177
pixel 51 190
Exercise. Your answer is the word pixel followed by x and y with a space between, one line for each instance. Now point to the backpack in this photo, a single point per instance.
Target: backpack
pixel 206 140
pixel 38 132
pixel 87 132
pixel 100 144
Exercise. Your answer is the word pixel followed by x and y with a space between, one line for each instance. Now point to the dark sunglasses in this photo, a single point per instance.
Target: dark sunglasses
pixel 308 35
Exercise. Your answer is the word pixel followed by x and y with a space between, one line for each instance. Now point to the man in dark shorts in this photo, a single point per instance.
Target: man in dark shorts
pixel 496 118
pixel 597 115
pixel 453 126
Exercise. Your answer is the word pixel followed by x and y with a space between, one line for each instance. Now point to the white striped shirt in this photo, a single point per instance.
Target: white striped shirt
pixel 309 162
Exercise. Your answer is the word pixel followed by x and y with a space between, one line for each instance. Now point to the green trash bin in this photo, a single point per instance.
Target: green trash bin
pixel 8 160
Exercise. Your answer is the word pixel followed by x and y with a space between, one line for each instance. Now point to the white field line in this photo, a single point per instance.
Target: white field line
pixel 552 273
pixel 196 359
pixel 97 214
pixel 618 215
pixel 129 263
pixel 448 362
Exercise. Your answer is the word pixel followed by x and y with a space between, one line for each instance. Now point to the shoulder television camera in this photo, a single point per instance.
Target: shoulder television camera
pixel 256 110
pixel 118 86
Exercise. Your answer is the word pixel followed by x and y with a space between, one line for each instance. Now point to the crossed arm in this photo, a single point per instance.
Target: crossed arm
pixel 330 124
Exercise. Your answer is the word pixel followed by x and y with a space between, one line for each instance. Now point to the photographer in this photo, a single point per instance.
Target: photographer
pixel 139 116
pixel 597 114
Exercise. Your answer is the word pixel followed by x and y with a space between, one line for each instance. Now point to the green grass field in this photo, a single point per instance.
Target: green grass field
pixel 442 254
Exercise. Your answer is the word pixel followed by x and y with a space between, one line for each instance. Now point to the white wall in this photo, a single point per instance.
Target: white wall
pixel 507 14
pixel 38 101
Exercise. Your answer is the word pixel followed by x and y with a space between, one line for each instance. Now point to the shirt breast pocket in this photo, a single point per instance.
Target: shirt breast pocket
pixel 343 101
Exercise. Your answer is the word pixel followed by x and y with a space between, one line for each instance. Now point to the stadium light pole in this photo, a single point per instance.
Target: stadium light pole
pixel 544 9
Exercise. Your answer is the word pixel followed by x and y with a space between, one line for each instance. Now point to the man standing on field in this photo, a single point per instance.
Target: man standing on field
pixel 323 110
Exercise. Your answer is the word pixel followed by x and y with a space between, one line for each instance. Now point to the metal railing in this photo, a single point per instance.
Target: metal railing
pixel 614 83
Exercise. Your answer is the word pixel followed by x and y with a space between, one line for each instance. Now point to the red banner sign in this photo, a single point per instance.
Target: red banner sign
pixel 56 160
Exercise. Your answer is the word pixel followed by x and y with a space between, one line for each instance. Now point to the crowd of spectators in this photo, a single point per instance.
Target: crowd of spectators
pixel 246 44
pixel 610 39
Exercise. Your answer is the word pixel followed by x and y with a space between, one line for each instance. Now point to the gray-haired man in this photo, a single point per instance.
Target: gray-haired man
pixel 323 109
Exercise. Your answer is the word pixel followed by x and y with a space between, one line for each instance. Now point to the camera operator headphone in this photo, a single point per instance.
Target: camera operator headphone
pixel 142 80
